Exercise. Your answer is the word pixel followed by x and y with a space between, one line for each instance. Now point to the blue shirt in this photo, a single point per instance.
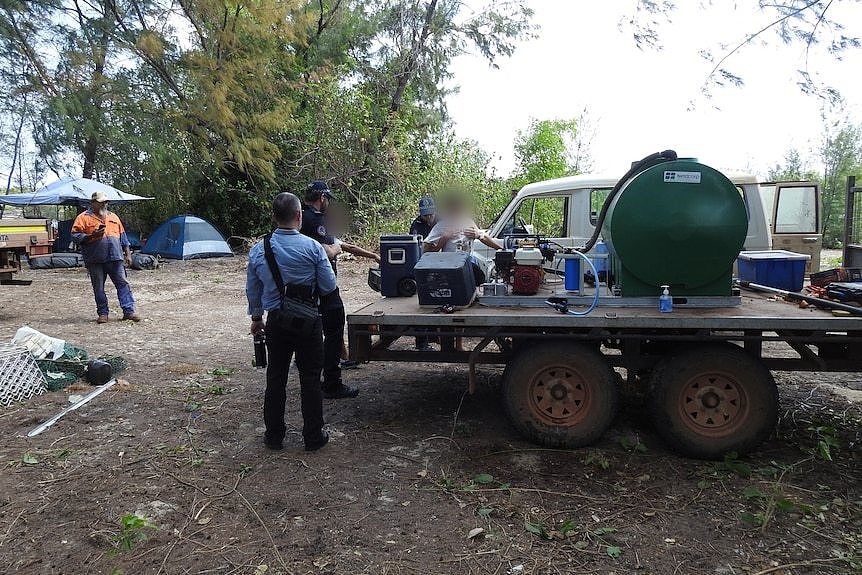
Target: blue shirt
pixel 301 261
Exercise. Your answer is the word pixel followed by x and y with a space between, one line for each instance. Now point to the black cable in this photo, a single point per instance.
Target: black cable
pixel 637 167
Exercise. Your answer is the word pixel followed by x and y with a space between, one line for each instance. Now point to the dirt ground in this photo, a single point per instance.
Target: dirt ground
pixel 413 469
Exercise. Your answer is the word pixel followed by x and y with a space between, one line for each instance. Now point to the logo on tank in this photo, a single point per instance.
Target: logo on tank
pixel 674 177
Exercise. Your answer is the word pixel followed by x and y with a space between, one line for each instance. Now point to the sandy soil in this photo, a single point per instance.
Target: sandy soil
pixel 414 466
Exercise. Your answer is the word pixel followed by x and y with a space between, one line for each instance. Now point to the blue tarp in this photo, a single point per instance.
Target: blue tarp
pixel 68 192
pixel 186 237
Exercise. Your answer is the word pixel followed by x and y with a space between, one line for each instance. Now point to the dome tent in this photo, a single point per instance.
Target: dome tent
pixel 186 237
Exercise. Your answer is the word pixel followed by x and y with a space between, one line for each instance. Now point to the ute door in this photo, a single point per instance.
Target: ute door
pixel 796 221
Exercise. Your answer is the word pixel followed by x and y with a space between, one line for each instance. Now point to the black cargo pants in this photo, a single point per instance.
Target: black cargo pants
pixel 281 345
pixel 333 315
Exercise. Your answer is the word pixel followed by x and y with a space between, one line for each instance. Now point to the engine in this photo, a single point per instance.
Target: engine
pixel 527 273
pixel 521 268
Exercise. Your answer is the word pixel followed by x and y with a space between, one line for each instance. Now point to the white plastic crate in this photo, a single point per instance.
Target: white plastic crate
pixel 20 377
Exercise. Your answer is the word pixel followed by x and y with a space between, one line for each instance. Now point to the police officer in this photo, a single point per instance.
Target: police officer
pixel 303 266
pixel 317 199
pixel 427 218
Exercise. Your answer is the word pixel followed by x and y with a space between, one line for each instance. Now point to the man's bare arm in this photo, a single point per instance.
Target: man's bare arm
pixel 332 250
pixel 358 251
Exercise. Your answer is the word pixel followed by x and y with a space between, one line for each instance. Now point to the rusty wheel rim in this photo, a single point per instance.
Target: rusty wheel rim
pixel 713 404
pixel 559 396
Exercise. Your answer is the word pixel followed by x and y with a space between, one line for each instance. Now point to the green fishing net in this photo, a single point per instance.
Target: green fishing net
pixel 71 366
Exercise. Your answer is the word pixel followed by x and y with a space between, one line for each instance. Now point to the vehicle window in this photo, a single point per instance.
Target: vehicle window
pixel 767 198
pixel 797 210
pixel 597 200
pixel 547 217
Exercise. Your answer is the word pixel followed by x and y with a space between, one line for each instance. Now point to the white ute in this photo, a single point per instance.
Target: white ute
pixel 565 210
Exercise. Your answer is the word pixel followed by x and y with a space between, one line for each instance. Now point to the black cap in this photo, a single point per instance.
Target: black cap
pixel 319 188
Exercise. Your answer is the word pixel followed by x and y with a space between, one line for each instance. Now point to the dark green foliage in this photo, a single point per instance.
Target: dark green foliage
pixel 212 107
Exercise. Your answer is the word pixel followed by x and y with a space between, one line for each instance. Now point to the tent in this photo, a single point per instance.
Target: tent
pixel 69 192
pixel 186 237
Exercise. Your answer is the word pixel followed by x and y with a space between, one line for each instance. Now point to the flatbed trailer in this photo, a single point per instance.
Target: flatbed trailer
pixel 705 373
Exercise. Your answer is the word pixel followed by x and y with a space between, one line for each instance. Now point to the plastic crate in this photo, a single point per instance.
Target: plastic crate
pixel 774 268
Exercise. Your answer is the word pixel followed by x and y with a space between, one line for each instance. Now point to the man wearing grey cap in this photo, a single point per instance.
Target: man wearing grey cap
pixel 427 218
pixel 105 248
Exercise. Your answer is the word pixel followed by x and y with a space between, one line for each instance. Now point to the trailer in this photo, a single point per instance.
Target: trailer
pixel 672 231
pixel 704 373
pixel 20 238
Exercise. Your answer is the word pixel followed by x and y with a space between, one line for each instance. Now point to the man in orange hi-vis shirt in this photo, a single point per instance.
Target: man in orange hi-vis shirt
pixel 105 249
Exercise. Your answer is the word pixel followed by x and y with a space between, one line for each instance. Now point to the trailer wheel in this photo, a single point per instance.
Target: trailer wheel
pixel 708 402
pixel 560 394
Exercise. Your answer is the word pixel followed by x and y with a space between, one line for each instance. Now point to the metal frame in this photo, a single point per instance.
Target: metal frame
pixel 816 350
pixel 852 255
pixel 574 299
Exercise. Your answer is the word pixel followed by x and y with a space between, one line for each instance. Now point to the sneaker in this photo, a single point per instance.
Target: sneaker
pixel 340 391
pixel 318 443
pixel 348 364
pixel 131 317
pixel 102 319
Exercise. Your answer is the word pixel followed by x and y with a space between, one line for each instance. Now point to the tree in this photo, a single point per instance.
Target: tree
pixel 416 40
pixel 793 168
pixel 808 23
pixel 841 156
pixel 211 106
pixel 550 149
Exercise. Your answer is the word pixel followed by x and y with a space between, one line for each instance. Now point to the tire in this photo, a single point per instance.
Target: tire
pixel 560 394
pixel 709 401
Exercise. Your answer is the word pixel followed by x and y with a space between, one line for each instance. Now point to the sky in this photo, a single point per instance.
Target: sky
pixel 642 101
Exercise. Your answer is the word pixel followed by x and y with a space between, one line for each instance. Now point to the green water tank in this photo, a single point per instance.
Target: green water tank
pixel 679 223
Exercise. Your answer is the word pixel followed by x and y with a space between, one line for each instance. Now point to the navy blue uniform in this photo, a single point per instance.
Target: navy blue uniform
pixel 331 306
pixel 314 226
pixel 420 227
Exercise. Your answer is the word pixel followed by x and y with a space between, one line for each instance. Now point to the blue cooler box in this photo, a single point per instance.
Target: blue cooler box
pixel 398 256
pixel 774 268
pixel 445 278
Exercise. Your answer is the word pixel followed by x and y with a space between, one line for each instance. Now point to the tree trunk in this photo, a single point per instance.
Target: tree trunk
pixel 403 77
pixel 17 146
pixel 90 148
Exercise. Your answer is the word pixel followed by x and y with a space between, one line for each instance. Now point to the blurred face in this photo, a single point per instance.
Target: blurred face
pixel 324 203
pixel 99 207
pixel 429 219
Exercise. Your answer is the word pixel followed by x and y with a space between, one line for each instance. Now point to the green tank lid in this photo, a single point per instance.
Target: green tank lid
pixel 680 223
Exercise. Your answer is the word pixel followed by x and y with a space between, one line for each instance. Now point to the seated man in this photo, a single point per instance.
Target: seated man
pixel 456 230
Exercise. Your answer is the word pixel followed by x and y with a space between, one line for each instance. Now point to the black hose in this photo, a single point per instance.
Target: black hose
pixel 637 167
